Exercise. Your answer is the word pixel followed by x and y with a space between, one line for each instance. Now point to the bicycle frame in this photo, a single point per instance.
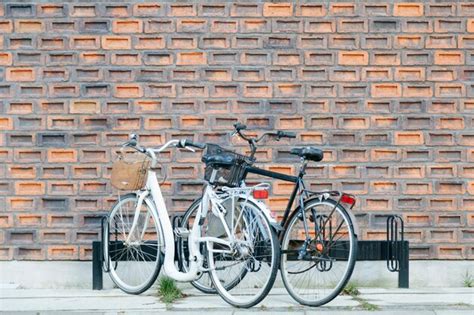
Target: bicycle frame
pixel 298 190
pixel 159 207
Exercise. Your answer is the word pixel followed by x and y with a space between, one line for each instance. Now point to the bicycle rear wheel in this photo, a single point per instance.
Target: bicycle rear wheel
pixel 255 250
pixel 133 257
pixel 316 269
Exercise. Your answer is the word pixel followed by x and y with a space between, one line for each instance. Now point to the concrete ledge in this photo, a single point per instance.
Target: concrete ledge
pixel 75 274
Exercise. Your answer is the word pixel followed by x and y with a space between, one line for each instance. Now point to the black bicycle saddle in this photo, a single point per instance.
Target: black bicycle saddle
pixel 309 153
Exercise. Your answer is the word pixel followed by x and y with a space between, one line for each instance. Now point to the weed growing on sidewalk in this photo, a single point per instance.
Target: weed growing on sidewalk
pixel 351 289
pixel 168 291
pixel 366 305
pixel 468 280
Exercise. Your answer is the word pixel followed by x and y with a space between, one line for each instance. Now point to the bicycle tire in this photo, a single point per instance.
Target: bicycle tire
pixel 242 294
pixel 318 265
pixel 143 249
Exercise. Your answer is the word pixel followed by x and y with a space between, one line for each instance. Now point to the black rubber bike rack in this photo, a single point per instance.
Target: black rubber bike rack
pixel 395 250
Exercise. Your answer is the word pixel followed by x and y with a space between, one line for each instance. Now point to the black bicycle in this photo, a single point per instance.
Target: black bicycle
pixel 318 236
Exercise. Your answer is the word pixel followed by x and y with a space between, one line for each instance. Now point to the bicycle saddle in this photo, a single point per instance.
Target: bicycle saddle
pixel 309 153
pixel 219 160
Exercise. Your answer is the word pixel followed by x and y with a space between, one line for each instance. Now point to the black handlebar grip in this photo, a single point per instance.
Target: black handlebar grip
pixel 198 145
pixel 286 134
pixel 238 126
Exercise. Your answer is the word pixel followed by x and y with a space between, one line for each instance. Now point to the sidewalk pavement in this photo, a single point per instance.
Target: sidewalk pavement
pixel 429 301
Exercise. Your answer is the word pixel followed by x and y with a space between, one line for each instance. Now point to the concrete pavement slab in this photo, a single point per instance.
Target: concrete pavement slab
pixel 414 299
pixel 443 301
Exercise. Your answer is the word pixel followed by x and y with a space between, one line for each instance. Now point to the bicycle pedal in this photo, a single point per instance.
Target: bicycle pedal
pixel 181 232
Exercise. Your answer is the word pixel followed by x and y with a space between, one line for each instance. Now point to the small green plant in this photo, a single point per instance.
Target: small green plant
pixel 368 306
pixel 351 289
pixel 168 291
pixel 468 280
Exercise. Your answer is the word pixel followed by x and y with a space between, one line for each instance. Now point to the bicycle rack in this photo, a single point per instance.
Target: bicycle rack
pixel 394 250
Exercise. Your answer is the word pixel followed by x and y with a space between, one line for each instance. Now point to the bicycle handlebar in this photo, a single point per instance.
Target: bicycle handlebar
pixel 253 141
pixel 279 134
pixel 185 143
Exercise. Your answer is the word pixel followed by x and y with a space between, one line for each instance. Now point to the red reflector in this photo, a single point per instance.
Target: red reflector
pixel 260 194
pixel 347 199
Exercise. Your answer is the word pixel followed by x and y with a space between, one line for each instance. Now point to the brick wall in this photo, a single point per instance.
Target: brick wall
pixel 385 89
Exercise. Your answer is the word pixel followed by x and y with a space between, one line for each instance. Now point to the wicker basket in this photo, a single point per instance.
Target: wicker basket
pixel 129 171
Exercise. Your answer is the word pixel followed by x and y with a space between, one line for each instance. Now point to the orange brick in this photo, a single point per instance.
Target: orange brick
pixel 409 41
pixel 6 123
pixel 386 90
pixel 83 11
pixel 22 171
pixel 85 107
pixel 277 9
pixel 408 138
pixel 224 26
pixel 62 155
pixel 320 26
pixel 342 9
pixel 257 91
pixel 127 26
pixel 116 42
pixel 310 10
pixel 85 42
pixel 51 10
pixel 29 188
pixel 128 91
pixel 29 26
pixel 351 58
pixel 218 75
pixel 191 58
pixel 449 58
pixel 192 25
pixel 451 123
pixel 5 59
pixel 470 25
pixel 408 9
pixel 291 123
pixel 63 252
pixel 182 10
pixel 449 90
pixel 417 91
pixel 354 123
pixel 156 123
pixel 6 26
pixel 147 9
pixel 21 74
pixel 410 74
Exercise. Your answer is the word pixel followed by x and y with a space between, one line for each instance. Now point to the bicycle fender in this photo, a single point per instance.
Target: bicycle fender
pixel 324 197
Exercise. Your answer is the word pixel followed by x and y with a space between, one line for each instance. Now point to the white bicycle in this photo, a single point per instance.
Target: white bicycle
pixel 139 237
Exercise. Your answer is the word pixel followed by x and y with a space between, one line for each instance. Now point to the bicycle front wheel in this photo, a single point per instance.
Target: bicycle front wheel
pixel 133 255
pixel 316 266
pixel 254 249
